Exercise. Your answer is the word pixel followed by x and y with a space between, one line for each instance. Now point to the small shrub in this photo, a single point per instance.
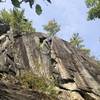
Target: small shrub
pixel 30 80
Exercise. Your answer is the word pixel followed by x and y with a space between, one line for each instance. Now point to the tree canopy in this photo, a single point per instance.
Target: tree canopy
pixel 94 9
pixel 38 9
pixel 77 42
pixel 52 27
pixel 17 21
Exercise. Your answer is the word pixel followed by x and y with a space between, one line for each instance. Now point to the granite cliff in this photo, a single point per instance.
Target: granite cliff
pixel 76 76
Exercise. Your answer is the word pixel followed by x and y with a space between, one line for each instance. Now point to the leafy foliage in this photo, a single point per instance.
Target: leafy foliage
pixel 49 1
pixel 30 80
pixel 16 19
pixel 77 41
pixel 31 2
pixel 5 16
pixel 94 9
pixel 52 27
pixel 16 3
pixel 38 9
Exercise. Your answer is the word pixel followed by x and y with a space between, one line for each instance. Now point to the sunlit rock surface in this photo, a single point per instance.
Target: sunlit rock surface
pixel 77 75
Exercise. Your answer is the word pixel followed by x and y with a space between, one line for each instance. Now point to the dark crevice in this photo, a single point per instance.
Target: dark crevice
pixel 8 71
pixel 17 36
pixel 10 57
pixel 63 81
pixel 91 92
pixel 63 88
pixel 84 95
pixel 4 27
pixel 72 70
pixel 84 92
pixel 81 92
pixel 53 61
pixel 2 71
pixel 42 39
pixel 13 73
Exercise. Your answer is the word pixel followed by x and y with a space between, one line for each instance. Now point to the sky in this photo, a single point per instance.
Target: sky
pixel 71 15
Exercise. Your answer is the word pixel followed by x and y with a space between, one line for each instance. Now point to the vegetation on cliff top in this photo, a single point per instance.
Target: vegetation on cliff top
pixel 17 20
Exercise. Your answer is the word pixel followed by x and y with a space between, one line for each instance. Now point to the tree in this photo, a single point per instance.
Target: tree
pixel 17 21
pixel 94 9
pixel 52 27
pixel 38 8
pixel 77 41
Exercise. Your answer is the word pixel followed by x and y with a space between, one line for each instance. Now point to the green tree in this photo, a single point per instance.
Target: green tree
pixel 52 27
pixel 38 9
pixel 94 9
pixel 77 41
pixel 16 19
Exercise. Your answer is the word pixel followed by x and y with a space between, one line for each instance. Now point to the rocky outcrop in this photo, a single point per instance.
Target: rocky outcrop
pixel 77 76
pixel 4 27
pixel 15 92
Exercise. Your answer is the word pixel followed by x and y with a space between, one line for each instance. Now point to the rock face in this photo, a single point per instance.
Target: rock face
pixel 3 27
pixel 77 76
pixel 13 92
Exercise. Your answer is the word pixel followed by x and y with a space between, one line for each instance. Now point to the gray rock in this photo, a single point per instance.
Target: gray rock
pixel 4 28
pixel 70 65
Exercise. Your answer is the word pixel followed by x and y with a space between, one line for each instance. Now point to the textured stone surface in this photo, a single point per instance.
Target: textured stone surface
pixel 77 75
pixel 14 92
pixel 4 27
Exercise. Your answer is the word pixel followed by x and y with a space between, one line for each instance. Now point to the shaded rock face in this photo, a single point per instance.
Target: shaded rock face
pixel 13 92
pixel 77 76
pixel 4 28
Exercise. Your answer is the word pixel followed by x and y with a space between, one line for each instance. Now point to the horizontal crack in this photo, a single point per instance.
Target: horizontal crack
pixel 63 81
